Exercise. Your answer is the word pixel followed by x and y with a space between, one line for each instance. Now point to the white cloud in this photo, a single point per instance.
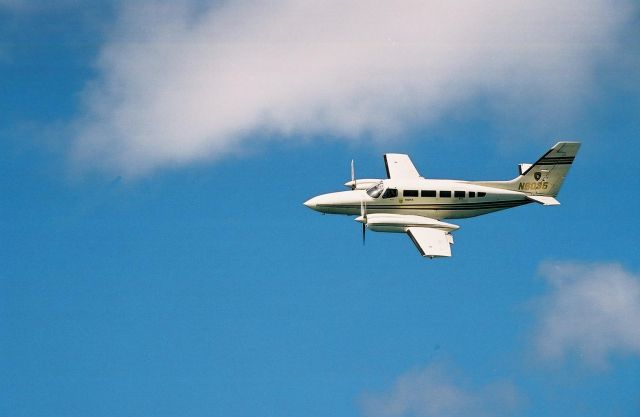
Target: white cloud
pixel 592 310
pixel 436 391
pixel 182 81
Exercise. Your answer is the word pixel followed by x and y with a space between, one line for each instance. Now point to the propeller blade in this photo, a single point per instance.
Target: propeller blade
pixel 353 176
pixel 363 213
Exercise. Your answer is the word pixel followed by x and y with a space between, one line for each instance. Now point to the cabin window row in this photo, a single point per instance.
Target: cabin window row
pixel 443 194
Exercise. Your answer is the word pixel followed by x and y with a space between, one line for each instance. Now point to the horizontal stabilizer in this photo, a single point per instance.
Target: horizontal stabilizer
pixel 522 168
pixel 544 200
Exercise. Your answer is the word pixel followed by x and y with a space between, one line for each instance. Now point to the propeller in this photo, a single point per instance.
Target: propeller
pixel 353 176
pixel 363 214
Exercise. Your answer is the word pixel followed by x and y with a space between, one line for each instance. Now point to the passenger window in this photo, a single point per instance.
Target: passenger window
pixel 472 194
pixel 410 193
pixel 458 194
pixel 428 193
pixel 390 193
pixel 481 194
pixel 445 194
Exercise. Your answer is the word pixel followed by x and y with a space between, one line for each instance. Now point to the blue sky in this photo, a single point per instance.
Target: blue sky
pixel 156 259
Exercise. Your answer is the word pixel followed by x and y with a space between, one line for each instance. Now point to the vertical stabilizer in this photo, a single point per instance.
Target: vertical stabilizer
pixel 546 175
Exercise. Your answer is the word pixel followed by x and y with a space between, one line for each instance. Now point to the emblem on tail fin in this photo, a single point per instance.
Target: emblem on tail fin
pixel 537 175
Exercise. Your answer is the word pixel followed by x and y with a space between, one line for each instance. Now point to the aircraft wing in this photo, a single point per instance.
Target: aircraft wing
pixel 399 166
pixel 431 242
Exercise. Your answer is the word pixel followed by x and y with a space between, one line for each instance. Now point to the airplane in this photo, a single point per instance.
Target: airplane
pixel 408 203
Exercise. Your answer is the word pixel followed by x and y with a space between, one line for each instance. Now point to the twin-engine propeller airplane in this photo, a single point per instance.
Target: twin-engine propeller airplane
pixel 408 203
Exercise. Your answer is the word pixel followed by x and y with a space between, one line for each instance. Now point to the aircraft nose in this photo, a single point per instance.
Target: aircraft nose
pixel 340 203
pixel 312 203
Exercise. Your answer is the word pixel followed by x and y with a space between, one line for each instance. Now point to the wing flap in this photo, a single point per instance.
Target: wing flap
pixel 431 242
pixel 399 166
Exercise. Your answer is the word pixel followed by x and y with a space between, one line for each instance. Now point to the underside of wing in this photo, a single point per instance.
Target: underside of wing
pixel 431 242
pixel 399 166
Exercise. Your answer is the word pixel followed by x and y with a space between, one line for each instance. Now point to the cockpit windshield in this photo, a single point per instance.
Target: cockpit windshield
pixel 376 190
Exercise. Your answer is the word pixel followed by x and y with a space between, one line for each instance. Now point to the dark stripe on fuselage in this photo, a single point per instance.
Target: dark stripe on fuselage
pixel 460 206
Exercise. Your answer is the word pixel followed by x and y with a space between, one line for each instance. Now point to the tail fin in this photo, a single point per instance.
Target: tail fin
pixel 546 175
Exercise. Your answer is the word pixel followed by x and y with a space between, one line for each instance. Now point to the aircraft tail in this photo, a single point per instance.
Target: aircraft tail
pixel 546 175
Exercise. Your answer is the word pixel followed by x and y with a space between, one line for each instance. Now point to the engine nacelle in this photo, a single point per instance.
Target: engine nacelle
pixel 399 223
pixel 362 184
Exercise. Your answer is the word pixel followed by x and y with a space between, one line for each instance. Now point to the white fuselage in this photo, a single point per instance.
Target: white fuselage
pixel 436 199
pixel 409 203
